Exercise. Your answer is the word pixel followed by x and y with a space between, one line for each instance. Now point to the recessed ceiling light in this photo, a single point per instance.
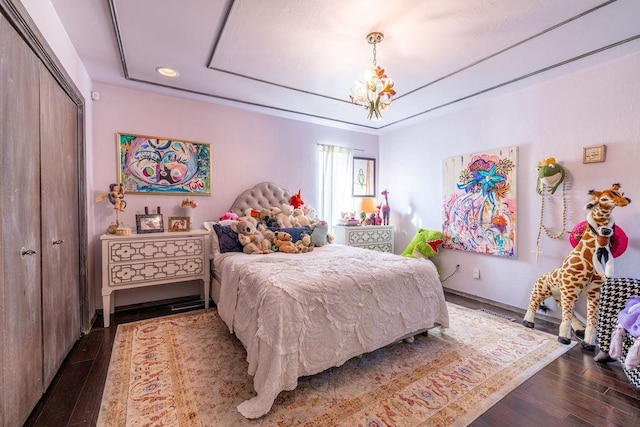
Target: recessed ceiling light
pixel 167 72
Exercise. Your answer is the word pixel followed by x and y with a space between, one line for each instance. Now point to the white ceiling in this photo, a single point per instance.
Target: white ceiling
pixel 299 58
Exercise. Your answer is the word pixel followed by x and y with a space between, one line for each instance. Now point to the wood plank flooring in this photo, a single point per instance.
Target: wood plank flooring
pixel 573 390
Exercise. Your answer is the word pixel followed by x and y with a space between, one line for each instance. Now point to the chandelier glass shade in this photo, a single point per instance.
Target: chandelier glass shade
pixel 374 91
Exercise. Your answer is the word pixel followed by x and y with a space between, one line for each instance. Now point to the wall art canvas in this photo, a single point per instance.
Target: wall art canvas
pixel 148 164
pixel 479 206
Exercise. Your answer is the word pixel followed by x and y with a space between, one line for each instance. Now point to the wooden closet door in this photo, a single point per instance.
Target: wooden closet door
pixel 61 314
pixel 20 281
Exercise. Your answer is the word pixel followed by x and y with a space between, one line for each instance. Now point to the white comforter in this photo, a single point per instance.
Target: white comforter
pixel 299 314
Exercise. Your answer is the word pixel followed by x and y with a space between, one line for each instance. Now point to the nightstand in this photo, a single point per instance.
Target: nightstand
pixel 376 237
pixel 140 260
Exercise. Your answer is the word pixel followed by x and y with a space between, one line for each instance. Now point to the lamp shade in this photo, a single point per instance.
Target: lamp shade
pixel 367 205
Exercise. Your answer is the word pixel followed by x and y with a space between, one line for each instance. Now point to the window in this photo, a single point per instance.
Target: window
pixel 336 166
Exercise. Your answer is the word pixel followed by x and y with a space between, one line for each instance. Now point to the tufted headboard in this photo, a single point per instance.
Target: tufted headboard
pixel 263 195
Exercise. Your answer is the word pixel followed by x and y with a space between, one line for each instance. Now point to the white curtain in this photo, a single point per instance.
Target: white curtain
pixel 336 165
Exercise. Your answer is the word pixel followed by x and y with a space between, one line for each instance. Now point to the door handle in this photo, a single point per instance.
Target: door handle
pixel 24 252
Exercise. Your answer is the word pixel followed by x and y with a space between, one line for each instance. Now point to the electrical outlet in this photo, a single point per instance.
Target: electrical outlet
pixel 476 273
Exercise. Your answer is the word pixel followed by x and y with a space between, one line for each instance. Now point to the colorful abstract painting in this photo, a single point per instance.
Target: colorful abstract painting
pixel 479 206
pixel 155 165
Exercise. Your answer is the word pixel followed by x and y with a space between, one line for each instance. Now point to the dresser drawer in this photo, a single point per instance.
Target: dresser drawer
pixel 126 251
pixel 375 237
pixel 368 236
pixel 146 271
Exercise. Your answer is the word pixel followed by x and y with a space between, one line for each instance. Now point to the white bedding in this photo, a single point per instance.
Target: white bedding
pixel 299 314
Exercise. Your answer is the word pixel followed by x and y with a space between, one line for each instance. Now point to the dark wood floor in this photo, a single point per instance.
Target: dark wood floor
pixel 573 390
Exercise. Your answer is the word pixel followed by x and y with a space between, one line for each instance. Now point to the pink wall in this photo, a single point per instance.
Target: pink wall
pixel 598 105
pixel 247 148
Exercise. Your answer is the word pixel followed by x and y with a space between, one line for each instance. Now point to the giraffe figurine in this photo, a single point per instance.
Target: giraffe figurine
pixel 578 273
pixel 386 209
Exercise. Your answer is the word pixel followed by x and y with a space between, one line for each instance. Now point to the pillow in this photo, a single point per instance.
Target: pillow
pixel 227 239
pixel 295 232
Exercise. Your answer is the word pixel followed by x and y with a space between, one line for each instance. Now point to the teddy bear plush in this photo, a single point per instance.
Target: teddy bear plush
pixel 285 217
pixel 284 243
pixel 253 242
pixel 304 245
pixel 301 218
pixel 267 233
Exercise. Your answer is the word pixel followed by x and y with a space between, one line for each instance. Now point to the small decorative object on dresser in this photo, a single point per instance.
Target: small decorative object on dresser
pixel 376 237
pixel 386 209
pixel 149 223
pixel 140 260
pixel 179 223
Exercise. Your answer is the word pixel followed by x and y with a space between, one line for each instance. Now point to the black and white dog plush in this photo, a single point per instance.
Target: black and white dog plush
pixel 602 257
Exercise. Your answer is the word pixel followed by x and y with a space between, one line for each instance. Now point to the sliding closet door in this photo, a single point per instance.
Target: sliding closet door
pixel 60 229
pixel 20 280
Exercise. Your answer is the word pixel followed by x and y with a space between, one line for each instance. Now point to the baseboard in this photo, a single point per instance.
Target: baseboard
pixel 517 310
pixel 178 303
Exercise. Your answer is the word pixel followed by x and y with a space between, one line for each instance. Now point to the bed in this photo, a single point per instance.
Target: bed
pixel 300 314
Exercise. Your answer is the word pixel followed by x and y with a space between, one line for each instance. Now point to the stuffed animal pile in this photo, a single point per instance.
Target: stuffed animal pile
pixel 267 230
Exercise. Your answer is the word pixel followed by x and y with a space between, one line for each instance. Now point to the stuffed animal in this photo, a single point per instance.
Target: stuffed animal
pixel 424 244
pixel 310 213
pixel 304 245
pixel 285 217
pixel 284 243
pixel 268 234
pixel 253 242
pixel 229 216
pixel 267 218
pixel 602 257
pixel 320 234
pixel 296 200
pixel 577 272
pixel 301 219
pixel 551 174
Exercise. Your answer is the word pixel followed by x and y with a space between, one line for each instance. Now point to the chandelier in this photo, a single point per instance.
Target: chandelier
pixel 374 91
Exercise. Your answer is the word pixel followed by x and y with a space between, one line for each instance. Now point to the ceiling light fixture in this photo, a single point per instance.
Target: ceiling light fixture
pixel 374 91
pixel 167 72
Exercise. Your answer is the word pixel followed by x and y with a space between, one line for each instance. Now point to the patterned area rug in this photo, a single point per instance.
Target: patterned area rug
pixel 187 370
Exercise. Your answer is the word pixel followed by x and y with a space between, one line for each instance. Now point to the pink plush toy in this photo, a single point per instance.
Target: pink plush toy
pixel 229 215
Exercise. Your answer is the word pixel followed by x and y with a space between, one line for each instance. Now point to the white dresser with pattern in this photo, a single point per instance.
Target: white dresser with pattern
pixel 376 237
pixel 140 260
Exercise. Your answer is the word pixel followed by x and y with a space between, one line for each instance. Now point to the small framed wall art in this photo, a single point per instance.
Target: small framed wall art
pixel 179 223
pixel 149 223
pixel 594 154
pixel 364 177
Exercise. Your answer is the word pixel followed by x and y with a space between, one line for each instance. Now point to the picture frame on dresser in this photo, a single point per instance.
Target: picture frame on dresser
pixel 179 223
pixel 149 223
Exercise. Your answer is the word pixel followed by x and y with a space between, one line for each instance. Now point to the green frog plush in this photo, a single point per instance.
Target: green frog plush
pixel 550 174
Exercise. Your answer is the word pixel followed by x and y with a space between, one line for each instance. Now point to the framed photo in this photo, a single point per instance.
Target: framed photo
pixel 593 154
pixel 149 164
pixel 364 177
pixel 179 223
pixel 149 223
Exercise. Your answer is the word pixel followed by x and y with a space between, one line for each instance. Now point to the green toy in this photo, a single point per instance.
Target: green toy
pixel 550 174
pixel 424 244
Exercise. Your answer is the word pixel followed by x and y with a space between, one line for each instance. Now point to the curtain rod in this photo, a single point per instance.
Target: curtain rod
pixel 340 146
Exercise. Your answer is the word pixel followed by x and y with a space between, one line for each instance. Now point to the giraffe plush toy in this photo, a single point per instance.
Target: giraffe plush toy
pixel 578 273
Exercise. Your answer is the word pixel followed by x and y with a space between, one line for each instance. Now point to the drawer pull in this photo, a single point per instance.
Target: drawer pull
pixel 58 242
